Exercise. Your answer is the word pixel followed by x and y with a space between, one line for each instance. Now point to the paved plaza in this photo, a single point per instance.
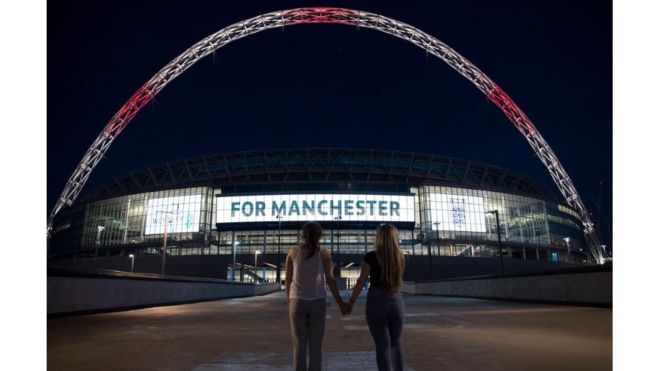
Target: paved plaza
pixel 253 334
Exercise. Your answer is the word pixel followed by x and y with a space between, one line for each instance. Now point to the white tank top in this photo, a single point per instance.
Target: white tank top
pixel 308 277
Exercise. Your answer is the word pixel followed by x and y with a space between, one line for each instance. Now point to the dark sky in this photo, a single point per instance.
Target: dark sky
pixel 331 85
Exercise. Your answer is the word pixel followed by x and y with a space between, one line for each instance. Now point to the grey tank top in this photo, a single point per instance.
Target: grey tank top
pixel 308 277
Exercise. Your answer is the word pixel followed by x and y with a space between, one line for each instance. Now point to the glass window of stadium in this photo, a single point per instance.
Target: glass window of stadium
pixel 143 219
pixel 449 221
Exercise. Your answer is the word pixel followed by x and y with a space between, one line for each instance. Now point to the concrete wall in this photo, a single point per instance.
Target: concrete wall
pixel 420 267
pixel 215 266
pixel 209 266
pixel 71 295
pixel 586 287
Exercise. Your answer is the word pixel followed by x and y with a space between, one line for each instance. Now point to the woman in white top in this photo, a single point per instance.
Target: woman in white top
pixel 308 270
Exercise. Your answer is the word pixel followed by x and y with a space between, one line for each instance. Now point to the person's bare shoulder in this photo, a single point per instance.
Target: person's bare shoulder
pixel 293 252
pixel 325 254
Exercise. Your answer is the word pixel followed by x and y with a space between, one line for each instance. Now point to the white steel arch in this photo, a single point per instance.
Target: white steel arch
pixel 338 16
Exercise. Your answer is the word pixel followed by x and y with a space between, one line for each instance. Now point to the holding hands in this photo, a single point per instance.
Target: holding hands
pixel 345 308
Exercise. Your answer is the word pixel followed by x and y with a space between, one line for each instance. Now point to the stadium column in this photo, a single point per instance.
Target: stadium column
pixel 265 240
pixel 278 273
pixel 332 242
pixel 430 260
pixel 226 276
pixel 218 229
pixel 337 273
pixel 233 252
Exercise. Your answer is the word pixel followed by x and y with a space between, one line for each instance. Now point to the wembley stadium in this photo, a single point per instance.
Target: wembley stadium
pixel 236 215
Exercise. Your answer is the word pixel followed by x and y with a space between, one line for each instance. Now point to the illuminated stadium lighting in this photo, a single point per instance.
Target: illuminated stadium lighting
pixel 222 211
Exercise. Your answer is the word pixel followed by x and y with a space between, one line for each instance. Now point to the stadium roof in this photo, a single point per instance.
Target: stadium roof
pixel 322 165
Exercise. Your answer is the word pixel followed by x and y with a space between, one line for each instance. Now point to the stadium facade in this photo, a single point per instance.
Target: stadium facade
pixel 255 202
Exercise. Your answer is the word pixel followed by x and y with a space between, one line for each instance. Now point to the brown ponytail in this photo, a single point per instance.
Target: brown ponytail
pixel 312 233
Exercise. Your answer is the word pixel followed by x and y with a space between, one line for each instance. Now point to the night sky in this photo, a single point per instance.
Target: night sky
pixel 335 86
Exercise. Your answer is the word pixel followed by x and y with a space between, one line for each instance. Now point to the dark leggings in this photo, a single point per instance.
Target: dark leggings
pixel 385 313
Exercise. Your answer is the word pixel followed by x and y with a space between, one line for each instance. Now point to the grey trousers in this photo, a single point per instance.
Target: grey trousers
pixel 307 318
pixel 385 314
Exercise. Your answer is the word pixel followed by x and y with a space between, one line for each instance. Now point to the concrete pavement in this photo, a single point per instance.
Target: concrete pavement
pixel 253 334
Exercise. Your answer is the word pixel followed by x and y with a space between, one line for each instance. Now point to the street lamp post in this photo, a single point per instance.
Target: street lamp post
pixel 132 257
pixel 257 252
pixel 568 247
pixel 337 219
pixel 437 235
pixel 279 233
pixel 406 255
pixel 233 266
pixel 99 229
pixel 279 246
pixel 128 208
pixel 166 222
pixel 499 238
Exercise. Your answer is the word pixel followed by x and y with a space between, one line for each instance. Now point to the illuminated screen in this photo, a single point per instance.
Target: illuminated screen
pixel 316 207
pixel 181 212
pixel 457 213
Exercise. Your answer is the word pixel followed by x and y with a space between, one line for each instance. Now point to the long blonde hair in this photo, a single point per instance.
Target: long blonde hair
pixel 390 256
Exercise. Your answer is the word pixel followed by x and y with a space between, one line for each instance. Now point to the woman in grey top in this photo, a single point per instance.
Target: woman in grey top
pixel 385 310
pixel 308 270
